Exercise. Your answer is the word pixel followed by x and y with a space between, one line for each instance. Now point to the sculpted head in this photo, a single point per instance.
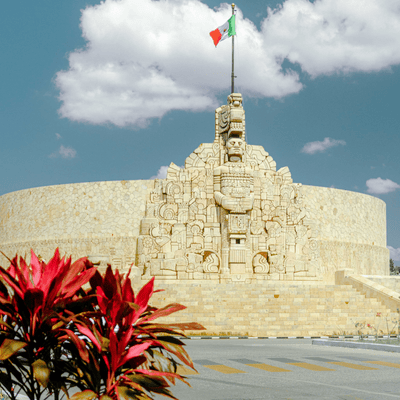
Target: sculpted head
pixel 235 147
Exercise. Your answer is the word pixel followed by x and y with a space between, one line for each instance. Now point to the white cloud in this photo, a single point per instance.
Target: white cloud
pixel 67 152
pixel 144 58
pixel 321 146
pixel 58 136
pixel 394 253
pixel 162 173
pixel 330 36
pixel 381 186
pixel 64 152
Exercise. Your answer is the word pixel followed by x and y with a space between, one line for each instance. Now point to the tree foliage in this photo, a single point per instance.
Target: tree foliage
pixel 392 267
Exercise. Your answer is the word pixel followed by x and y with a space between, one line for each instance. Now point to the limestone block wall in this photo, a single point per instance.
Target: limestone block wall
pixel 102 219
pixel 271 309
pixel 350 229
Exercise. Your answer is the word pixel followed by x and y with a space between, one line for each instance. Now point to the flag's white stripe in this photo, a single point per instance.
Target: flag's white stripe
pixel 224 30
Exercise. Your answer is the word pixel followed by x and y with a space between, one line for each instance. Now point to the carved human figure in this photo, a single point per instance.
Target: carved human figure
pixel 233 181
pixel 235 147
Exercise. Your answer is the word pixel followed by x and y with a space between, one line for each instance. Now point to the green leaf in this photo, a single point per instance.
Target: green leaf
pixel 160 362
pixel 41 372
pixel 3 323
pixel 59 324
pixel 85 395
pixel 105 397
pixel 125 393
pixel 175 348
pixel 105 343
pixel 9 347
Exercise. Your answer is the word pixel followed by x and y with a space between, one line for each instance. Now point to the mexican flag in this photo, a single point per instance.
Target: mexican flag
pixel 224 31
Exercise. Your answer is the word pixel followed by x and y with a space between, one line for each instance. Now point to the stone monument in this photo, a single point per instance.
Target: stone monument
pixel 248 251
pixel 228 215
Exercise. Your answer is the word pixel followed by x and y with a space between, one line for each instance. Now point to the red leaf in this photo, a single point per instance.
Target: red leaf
pixel 109 283
pixel 133 352
pixel 33 300
pixel 89 334
pixel 19 276
pixel 102 300
pixel 163 312
pixel 188 326
pixel 8 278
pixel 51 270
pixel 13 265
pixel 126 337
pixel 74 270
pixel 143 297
pixel 96 280
pixel 159 373
pixel 36 268
pixel 79 344
pixel 127 291
pixel 172 327
pixel 77 283
pixel 25 273
pixel 115 353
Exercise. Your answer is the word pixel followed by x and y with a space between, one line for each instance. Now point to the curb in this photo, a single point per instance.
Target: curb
pixel 251 337
pixel 358 345
pixel 284 337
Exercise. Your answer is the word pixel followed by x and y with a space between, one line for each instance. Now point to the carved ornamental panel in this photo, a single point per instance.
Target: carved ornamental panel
pixel 228 214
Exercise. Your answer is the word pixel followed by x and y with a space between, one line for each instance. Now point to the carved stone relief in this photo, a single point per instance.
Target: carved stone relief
pixel 228 214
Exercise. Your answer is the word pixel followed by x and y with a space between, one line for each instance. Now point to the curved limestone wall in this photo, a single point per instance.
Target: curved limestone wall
pixel 351 230
pixel 102 219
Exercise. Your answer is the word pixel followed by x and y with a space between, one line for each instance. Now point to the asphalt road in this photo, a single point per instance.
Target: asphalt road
pixel 289 369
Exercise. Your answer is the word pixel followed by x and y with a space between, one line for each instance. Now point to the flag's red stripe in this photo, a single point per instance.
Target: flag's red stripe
pixel 216 36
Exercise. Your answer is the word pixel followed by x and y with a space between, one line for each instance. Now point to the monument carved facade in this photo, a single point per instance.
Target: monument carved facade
pixel 228 214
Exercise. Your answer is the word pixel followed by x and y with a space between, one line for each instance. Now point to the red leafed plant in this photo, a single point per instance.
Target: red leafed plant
pixel 102 341
pixel 33 299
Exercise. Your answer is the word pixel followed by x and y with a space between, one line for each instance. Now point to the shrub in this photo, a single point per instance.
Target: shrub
pixel 102 341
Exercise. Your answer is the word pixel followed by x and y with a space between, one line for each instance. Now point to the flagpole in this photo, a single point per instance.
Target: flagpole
pixel 233 56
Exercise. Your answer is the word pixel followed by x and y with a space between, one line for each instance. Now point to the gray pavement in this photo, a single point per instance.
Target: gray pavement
pixel 357 344
pixel 290 369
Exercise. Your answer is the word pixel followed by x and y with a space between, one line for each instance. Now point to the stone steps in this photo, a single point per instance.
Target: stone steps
pixel 273 309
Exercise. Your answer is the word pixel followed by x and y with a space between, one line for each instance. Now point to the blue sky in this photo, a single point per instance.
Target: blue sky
pixel 116 90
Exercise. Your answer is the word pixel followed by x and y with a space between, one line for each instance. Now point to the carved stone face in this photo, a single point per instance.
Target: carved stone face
pixel 235 147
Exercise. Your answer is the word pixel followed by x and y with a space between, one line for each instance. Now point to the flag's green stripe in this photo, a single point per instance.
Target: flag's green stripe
pixel 231 29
